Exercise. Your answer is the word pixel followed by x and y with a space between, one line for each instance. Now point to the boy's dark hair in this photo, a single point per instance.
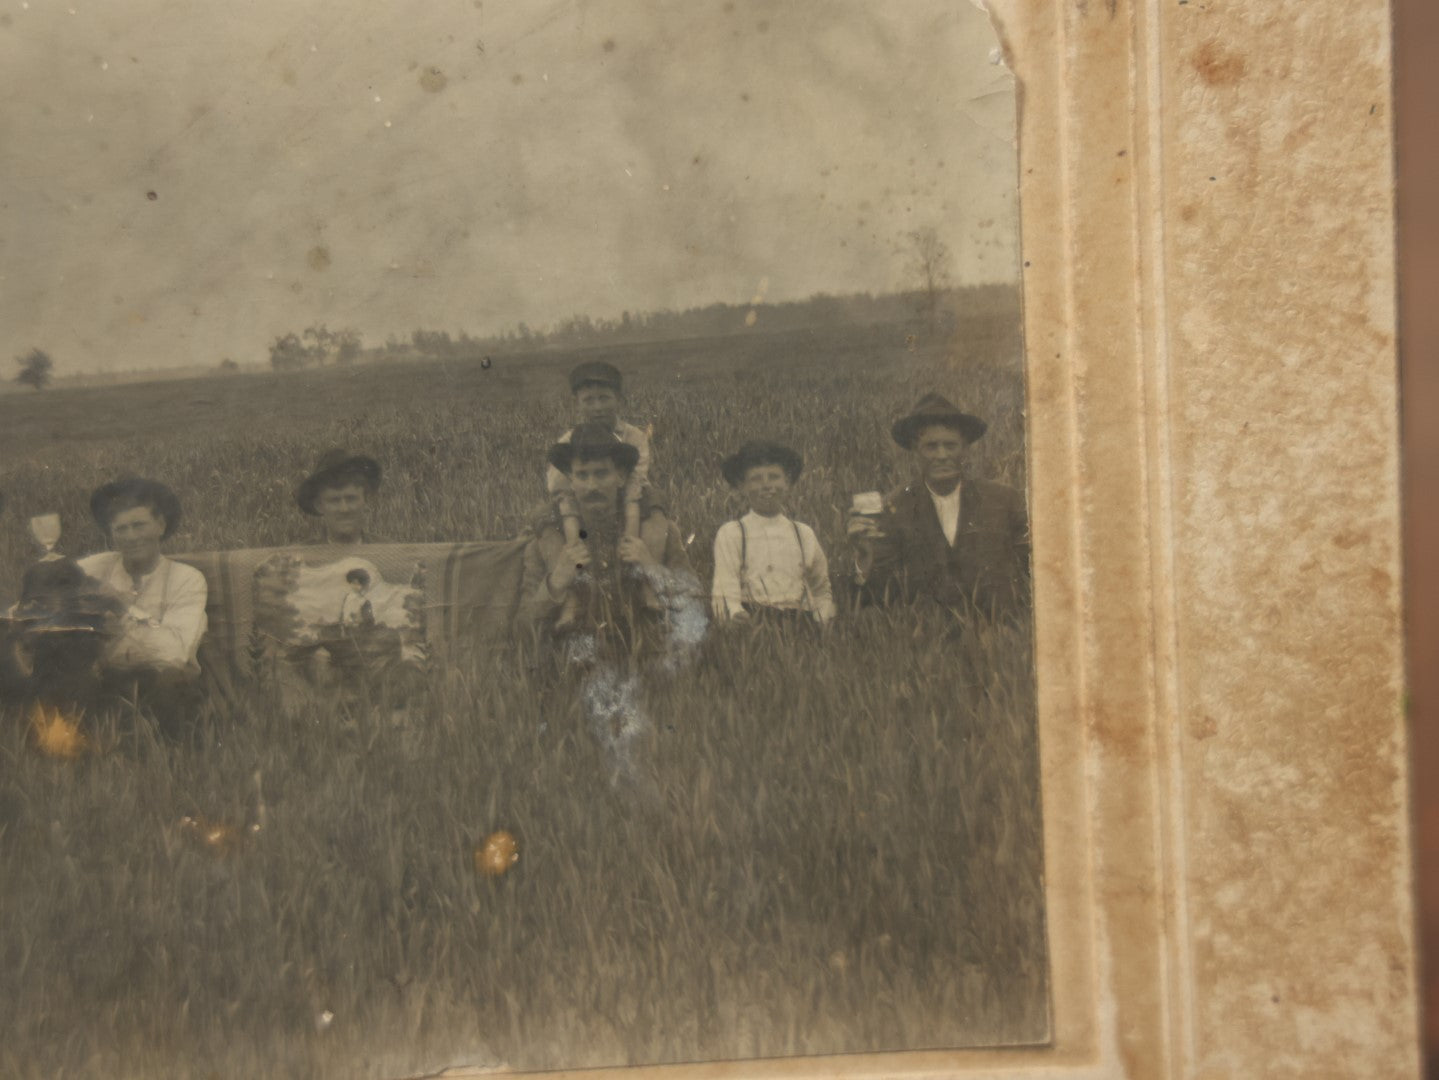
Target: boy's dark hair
pixel 761 452
pixel 359 576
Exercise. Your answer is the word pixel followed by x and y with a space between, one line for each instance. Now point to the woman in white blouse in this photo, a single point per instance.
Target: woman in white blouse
pixel 767 564
pixel 164 600
pixel 151 656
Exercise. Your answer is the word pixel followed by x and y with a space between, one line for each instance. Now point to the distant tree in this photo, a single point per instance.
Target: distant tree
pixel 929 264
pixel 322 343
pixel 347 346
pixel 288 353
pixel 227 365
pixel 433 343
pixel 36 369
pixel 576 329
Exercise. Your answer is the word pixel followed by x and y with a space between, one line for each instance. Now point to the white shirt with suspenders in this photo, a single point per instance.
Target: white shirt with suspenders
pixel 770 562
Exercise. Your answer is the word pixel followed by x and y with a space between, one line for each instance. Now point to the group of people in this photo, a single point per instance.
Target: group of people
pixel 123 624
pixel 947 537
pixel 603 557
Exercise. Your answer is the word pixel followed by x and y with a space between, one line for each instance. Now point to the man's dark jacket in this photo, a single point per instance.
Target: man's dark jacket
pixel 986 569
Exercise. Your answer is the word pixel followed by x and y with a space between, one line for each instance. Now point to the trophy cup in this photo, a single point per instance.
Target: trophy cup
pixel 52 584
pixel 60 619
pixel 45 528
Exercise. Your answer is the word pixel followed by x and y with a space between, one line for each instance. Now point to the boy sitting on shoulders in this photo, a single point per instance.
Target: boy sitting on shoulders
pixel 597 387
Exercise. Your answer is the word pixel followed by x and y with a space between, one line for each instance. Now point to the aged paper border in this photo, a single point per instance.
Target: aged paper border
pixel 1206 193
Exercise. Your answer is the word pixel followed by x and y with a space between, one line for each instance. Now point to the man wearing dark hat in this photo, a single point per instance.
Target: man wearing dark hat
pixel 605 570
pixel 338 492
pixel 948 537
pixel 151 653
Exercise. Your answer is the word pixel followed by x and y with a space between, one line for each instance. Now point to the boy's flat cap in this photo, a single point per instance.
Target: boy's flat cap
pixel 596 373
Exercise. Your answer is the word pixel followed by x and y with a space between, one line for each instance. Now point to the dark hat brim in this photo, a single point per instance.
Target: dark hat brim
pixel 734 467
pixel 146 491
pixel 309 490
pixel 907 428
pixel 562 454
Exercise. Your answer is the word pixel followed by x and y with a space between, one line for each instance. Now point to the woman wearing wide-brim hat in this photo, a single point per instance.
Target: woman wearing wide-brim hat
pixel 152 656
pixel 134 491
pixel 946 536
pixel 339 492
pixel 165 600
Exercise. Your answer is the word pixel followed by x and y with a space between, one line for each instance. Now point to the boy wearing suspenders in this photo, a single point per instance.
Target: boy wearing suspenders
pixel 768 566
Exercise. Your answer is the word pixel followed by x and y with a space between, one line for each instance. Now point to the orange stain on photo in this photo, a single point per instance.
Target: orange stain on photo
pixel 215 835
pixel 497 854
pixel 56 734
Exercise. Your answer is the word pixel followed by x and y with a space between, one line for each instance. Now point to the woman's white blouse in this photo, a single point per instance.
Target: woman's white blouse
pixel 166 613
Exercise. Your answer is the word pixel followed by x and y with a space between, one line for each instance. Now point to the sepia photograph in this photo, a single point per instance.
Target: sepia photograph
pixel 514 538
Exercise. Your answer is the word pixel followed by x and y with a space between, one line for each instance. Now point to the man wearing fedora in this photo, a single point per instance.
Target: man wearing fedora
pixel 339 492
pixel 606 570
pixel 947 536
pixel 150 655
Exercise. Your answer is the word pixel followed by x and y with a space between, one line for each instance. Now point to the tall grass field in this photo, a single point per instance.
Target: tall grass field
pixel 835 846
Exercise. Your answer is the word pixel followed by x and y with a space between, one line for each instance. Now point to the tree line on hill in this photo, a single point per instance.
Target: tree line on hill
pixel 313 347
pixel 934 312
pixel 934 309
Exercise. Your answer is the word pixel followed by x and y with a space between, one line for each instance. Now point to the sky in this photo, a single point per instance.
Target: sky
pixel 182 182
